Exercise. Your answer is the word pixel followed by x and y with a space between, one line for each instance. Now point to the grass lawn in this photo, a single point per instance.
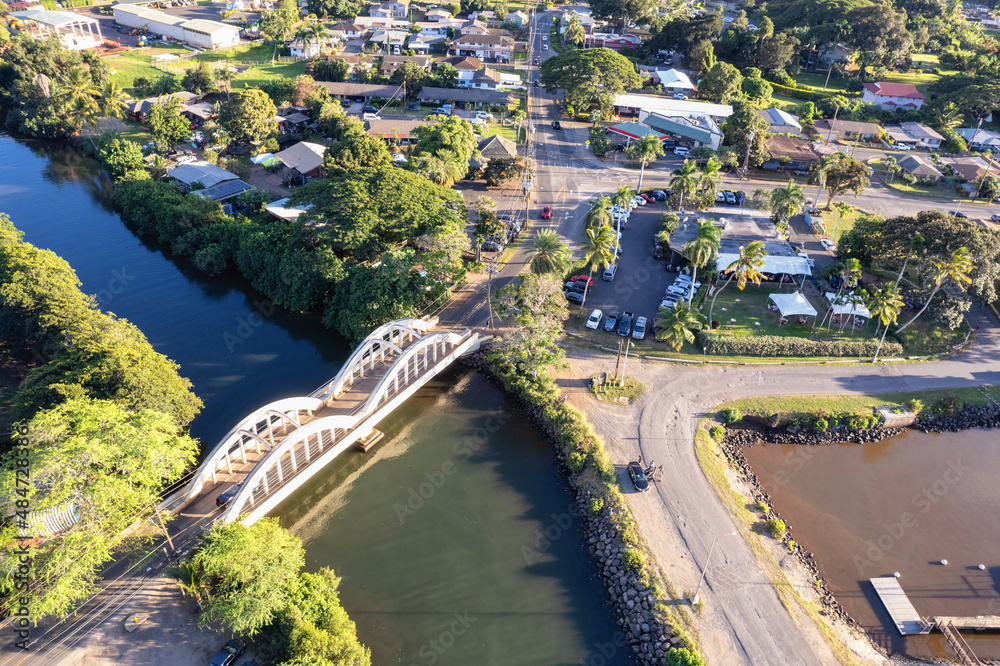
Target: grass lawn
pixel 816 79
pixel 507 132
pixel 786 103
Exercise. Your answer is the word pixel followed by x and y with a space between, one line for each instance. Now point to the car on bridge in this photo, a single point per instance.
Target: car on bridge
pixel 229 653
pixel 225 498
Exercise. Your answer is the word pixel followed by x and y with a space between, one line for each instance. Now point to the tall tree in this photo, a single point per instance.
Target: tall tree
pixel 676 325
pixel 599 214
pixel 312 33
pixel 848 175
pixel 711 176
pixel 644 151
pixel 625 11
pixel 249 114
pixel 574 33
pixel 533 310
pixel 166 123
pixel 547 253
pixel 745 129
pixel 821 169
pixel 451 141
pixel 955 269
pixel 721 84
pixel 113 101
pixel 786 202
pixel 744 269
pixel 702 249
pixel 685 181
pixel 598 252
pixel 590 77
pixel 885 304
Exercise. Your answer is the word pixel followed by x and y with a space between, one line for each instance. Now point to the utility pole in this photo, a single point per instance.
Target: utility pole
pixel 968 147
pixel 627 344
pixel 746 158
pixel 833 58
pixel 618 360
pixel 832 123
pixel 159 519
pixel 989 165
pixel 491 269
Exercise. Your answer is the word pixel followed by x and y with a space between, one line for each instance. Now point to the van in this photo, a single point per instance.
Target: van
pixel 609 272
pixel 370 116
pixel 682 150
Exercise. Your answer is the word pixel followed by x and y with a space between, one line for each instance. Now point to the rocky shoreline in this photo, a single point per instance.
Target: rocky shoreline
pixel 753 429
pixel 633 602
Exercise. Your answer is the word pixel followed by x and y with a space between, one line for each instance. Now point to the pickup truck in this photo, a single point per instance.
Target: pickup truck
pixel 625 324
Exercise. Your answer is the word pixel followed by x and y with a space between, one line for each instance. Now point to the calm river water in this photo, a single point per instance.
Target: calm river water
pixel 900 505
pixel 435 532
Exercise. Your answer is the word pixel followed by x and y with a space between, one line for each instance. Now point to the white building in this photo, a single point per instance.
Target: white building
pixel 926 137
pixel 302 49
pixel 634 104
pixel 981 139
pixel 780 122
pixel 198 32
pixel 674 81
pixel 893 96
pixel 74 32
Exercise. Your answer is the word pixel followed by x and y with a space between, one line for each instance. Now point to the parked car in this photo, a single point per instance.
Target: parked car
pixel 828 244
pixel 368 108
pixel 443 110
pixel 609 273
pixel 583 278
pixel 639 332
pixel 595 319
pixel 730 197
pixel 484 115
pixel 811 210
pixel 995 217
pixel 611 323
pixel 678 290
pixel 225 498
pixel 903 146
pixel 648 197
pixel 574 296
pixel 575 286
pixel 638 476
pixel 741 196
pixel 660 195
pixel 682 150
pixel 229 653
pixel 639 201
pixel 370 116
pixel 625 325
pixel 413 106
pixel 556 125
pixel 680 96
pixel 720 198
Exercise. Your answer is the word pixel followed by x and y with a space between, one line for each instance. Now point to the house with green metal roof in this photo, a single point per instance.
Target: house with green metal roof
pixel 693 130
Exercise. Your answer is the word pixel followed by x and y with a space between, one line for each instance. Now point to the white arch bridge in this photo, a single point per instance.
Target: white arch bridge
pixel 284 443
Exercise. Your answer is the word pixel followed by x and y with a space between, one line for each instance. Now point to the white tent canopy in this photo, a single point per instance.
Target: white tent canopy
pixel 773 264
pixel 793 304
pixel 850 305
pixel 257 159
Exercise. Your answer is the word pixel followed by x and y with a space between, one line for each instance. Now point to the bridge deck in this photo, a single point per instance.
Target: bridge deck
pixel 903 614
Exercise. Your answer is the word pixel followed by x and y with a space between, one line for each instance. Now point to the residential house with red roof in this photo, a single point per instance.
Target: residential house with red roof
pixel 893 96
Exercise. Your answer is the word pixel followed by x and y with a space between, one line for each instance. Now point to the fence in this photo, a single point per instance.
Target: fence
pixel 183 62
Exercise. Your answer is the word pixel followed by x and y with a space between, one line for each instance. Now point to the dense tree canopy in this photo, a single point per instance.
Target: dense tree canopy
pixel 356 149
pixel 590 77
pixel 249 114
pixel 722 83
pixel 166 124
pixel 741 126
pixel 629 11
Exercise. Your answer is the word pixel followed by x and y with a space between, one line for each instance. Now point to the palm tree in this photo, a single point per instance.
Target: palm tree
pixel 644 151
pixel 744 269
pixel 885 304
pixel 889 163
pixel 685 181
pixel 548 253
pixel 820 172
pixel 701 249
pixel 75 85
pixel 955 268
pixel 440 171
pixel 158 167
pixel 949 116
pixel 599 214
pixel 843 210
pixel 916 246
pixel 223 78
pixel 711 176
pixel 82 111
pixel 574 30
pixel 677 325
pixel 623 197
pixel 189 579
pixel 598 252
pixel 113 101
pixel 787 201
pixel 312 33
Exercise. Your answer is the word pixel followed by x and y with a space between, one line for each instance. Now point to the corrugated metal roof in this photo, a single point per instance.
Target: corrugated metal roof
pixel 773 264
pixel 225 190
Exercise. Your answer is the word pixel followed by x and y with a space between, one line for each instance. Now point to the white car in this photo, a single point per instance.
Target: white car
pixel 682 150
pixel 595 319
pixel 639 200
pixel 828 244
pixel 903 146
pixel 680 96
pixel 639 332
pixel 484 115
pixel 477 121
pixel 751 27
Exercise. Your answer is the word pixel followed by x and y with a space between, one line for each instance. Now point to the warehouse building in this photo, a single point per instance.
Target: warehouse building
pixel 197 32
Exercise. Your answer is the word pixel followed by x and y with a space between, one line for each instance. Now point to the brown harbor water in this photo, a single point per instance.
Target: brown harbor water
pixel 899 505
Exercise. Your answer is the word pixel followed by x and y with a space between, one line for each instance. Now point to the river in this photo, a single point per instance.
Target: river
pixel 900 505
pixel 439 532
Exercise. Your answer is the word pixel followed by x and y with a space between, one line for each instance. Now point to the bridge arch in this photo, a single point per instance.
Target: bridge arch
pixel 434 345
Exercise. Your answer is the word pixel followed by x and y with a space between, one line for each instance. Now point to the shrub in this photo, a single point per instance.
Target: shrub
pixel 731 416
pixel 576 461
pixel 773 345
pixel 763 507
pixel 633 559
pixel 776 527
pixel 821 425
pixel 683 657
pixel 791 545
pixel 717 432
pixel 915 406
pixel 596 504
pixel 799 93
pixel 948 405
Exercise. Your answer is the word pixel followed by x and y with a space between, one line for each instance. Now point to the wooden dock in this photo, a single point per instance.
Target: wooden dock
pixel 902 612
pixel 978 623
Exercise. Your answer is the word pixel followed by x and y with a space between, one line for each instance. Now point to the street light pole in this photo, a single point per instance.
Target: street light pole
pixel 746 159
pixel 694 599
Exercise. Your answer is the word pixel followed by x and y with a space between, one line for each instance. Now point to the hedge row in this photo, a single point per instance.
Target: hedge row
pixel 773 345
pixel 799 93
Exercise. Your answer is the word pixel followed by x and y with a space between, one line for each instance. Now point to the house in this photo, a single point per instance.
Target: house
pixel 205 174
pixel 391 41
pixel 224 190
pixel 292 121
pixel 980 139
pixel 633 131
pixel 198 113
pixel 422 44
pixel 75 32
pixel 360 91
pixel 437 14
pixel 893 96
pixel 485 16
pixel 282 211
pixel 391 63
pixel 484 47
pixel 831 130
pixel 634 104
pixel 380 11
pixel 400 9
pixel 197 32
pixel 897 137
pixel 466 66
pixel 474 27
pixel 780 122
pixel 493 147
pixel 475 98
pixel 300 48
pixel 926 136
pixel 345 31
pixel 971 168
pixel 694 130
pixel 394 131
pixel 611 41
pixel 799 153
pixel 673 81
pixel 357 65
pixel 584 16
pixel 517 18
pixel 304 157
pixel 920 166
pixel 140 108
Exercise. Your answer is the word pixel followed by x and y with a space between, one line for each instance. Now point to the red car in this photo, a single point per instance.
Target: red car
pixel 583 278
pixel 648 197
pixel 535 61
pixel 546 212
